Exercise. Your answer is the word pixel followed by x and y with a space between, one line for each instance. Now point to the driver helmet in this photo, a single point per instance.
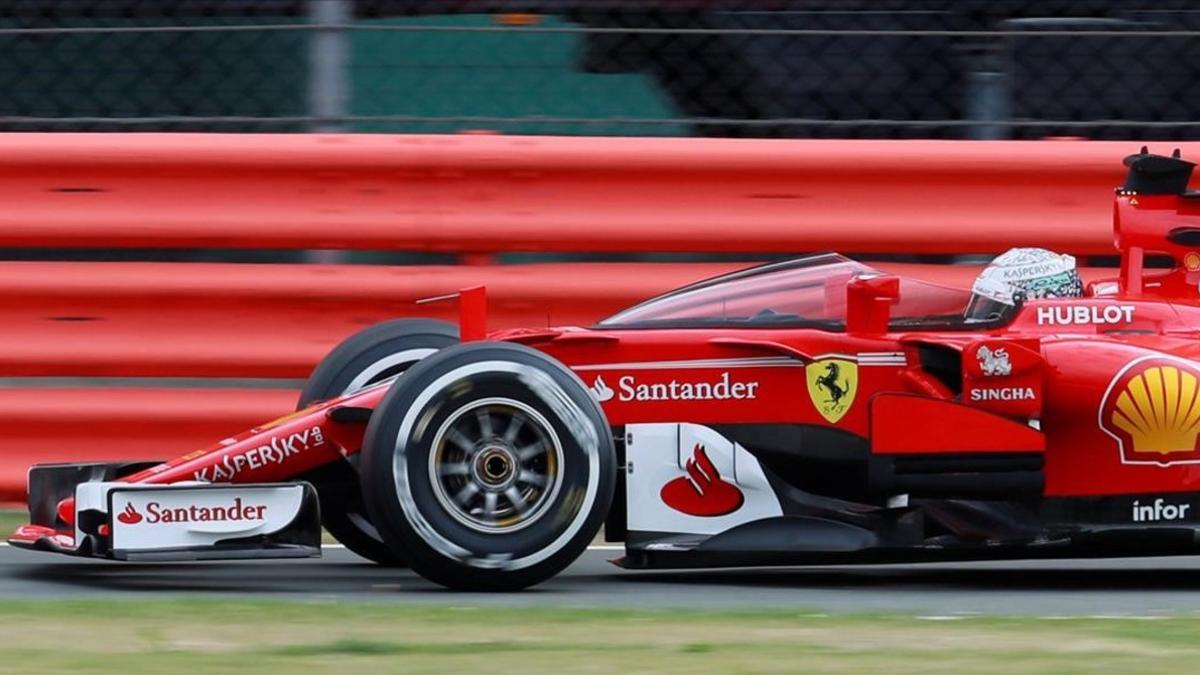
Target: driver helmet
pixel 1021 274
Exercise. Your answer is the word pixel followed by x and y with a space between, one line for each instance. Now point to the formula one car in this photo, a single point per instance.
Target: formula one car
pixel 808 411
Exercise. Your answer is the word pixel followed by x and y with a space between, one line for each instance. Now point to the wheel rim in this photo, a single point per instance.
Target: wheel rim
pixel 495 465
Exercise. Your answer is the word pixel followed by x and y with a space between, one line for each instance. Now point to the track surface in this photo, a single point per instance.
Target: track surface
pixel 1143 586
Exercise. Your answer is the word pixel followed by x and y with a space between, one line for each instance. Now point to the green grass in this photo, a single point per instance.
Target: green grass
pixel 207 636
pixel 10 519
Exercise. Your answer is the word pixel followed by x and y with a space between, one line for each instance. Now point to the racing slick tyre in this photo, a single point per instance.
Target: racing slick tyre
pixel 489 465
pixel 369 356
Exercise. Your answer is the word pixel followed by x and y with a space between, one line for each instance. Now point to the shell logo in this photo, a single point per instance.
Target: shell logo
pixel 1152 409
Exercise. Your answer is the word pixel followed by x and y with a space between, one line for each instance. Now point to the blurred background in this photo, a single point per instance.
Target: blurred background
pixel 971 69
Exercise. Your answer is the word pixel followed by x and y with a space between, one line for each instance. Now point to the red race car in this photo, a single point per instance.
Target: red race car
pixel 809 411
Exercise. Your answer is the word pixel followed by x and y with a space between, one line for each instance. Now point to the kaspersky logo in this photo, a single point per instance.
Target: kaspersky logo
pixel 1152 409
pixel 702 492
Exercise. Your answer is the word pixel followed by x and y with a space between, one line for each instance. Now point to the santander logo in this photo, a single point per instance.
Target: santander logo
pixel 130 515
pixel 629 388
pixel 601 390
pixel 156 512
pixel 702 492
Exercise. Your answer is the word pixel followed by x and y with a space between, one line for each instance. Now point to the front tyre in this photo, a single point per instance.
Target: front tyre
pixel 489 466
pixel 371 355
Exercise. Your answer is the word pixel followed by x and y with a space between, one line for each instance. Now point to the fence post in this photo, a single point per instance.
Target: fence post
pixel 988 105
pixel 328 94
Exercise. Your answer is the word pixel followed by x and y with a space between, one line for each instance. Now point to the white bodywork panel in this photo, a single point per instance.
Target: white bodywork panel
pixel 657 454
pixel 153 517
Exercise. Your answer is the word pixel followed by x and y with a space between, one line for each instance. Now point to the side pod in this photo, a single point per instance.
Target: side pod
pixel 926 447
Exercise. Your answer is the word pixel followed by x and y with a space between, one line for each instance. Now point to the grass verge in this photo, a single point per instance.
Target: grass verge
pixel 10 519
pixel 206 636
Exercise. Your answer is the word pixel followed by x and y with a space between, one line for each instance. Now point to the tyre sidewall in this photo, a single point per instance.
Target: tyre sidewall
pixel 385 345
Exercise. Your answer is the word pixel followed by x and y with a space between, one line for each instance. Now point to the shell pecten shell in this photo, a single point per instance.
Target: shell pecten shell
pixel 1159 410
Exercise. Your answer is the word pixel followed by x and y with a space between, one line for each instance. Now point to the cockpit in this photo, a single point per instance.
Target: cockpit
pixel 807 292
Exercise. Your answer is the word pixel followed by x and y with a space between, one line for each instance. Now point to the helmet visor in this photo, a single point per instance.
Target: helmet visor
pixel 983 308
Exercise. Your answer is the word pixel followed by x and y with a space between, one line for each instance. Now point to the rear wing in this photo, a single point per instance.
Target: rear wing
pixel 1156 213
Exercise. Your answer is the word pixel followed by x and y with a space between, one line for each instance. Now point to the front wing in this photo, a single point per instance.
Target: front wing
pixel 179 521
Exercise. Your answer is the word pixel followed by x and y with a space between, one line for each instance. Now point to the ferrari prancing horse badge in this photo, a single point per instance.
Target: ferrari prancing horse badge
pixel 832 384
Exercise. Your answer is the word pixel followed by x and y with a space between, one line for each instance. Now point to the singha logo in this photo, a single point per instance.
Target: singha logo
pixel 994 362
pixel 130 515
pixel 702 492
pixel 601 391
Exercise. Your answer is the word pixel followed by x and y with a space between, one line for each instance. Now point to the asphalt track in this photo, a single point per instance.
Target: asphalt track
pixel 1123 587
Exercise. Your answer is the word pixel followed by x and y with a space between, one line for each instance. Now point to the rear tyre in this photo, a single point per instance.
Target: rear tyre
pixel 490 466
pixel 365 358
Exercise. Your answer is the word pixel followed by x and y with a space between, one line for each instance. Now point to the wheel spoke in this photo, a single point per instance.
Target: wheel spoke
pixel 485 424
pixel 515 498
pixel 461 441
pixel 529 452
pixel 532 478
pixel 454 469
pixel 514 427
pixel 496 465
pixel 464 495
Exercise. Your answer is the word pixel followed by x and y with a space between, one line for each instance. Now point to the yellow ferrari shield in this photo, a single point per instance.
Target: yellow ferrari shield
pixel 832 384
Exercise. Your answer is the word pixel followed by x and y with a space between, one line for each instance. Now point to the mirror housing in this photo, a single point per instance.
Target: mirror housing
pixel 869 298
